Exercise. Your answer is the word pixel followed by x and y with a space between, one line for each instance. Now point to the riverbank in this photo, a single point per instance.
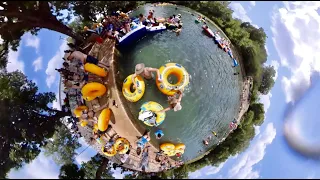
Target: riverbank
pixel 120 121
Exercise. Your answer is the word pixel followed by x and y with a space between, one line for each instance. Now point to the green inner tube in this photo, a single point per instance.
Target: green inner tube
pixel 197 21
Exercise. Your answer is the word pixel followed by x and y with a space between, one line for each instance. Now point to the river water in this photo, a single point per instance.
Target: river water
pixel 211 99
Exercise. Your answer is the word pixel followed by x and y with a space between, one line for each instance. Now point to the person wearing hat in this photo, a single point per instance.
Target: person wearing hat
pixel 145 72
pixel 174 103
pixel 84 58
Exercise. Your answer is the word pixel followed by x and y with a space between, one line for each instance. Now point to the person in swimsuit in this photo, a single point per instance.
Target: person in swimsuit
pixel 142 142
pixel 145 159
pixel 145 72
pixel 205 142
pixel 174 102
pixel 110 143
pixel 91 115
pixel 70 55
pixel 178 31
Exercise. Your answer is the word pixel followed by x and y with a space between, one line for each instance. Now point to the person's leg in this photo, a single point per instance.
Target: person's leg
pixel 92 60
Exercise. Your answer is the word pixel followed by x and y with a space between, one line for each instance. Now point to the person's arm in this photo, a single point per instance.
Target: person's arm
pixel 180 97
pixel 133 81
pixel 157 71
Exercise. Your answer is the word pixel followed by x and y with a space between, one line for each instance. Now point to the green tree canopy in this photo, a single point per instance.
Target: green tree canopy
pixel 27 120
pixel 267 80
pixel 71 171
pixel 62 146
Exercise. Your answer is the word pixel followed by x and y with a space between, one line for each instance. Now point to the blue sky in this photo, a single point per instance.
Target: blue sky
pixel 293 35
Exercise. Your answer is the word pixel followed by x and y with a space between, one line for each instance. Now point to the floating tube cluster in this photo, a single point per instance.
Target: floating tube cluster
pixel 121 146
pixel 154 107
pixel 171 149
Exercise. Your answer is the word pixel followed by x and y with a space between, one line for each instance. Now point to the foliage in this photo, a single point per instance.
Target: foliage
pixel 27 121
pixel 267 81
pixel 87 10
pixel 62 146
pixel 97 162
pixel 71 171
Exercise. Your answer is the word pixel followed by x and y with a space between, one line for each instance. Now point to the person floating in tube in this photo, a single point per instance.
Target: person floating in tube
pixel 149 117
pixel 145 72
pixel 159 134
pixel 174 102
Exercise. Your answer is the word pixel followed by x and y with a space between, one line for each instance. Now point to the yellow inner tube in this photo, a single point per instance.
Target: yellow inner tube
pixel 78 111
pixel 180 147
pixel 103 120
pixel 172 69
pixel 109 153
pixel 138 92
pixel 154 107
pixel 166 147
pixel 93 89
pixel 95 127
pixel 94 69
pixel 83 123
pixel 122 142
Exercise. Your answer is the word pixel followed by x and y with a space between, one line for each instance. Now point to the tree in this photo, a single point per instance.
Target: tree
pixel 27 121
pixel 71 171
pixel 267 80
pixel 97 168
pixel 88 10
pixel 62 146
pixel 258 110
pixel 19 17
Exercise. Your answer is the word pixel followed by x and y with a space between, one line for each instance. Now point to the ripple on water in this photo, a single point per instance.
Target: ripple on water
pixel 210 100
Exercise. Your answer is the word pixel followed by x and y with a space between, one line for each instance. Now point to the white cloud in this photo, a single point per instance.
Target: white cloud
pixel 268 53
pixel 117 173
pixel 207 170
pixel 41 168
pixel 240 13
pixel 196 174
pixel 86 154
pixel 243 168
pixel 252 3
pixel 56 103
pixel 31 41
pixel 296 34
pixel 37 64
pixel 13 61
pixel 55 62
pixel 214 170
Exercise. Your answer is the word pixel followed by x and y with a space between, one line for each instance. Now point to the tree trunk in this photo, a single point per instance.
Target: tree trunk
pixel 102 167
pixel 61 28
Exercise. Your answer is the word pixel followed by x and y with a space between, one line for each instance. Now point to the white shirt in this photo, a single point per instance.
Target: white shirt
pixel 124 158
pixel 78 55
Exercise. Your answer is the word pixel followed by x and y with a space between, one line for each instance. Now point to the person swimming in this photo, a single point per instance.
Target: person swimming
pixel 159 134
pixel 205 142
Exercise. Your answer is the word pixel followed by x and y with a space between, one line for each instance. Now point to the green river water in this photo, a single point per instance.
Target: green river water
pixel 211 99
